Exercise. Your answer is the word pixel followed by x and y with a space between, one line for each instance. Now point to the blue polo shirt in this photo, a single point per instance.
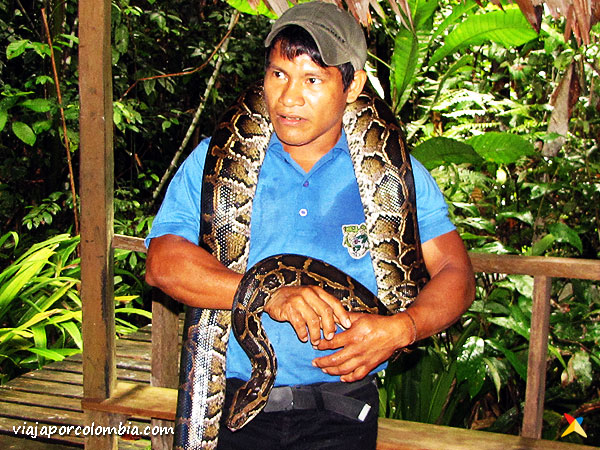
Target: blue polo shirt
pixel 316 214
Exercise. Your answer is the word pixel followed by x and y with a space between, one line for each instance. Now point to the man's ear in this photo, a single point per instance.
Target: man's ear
pixel 356 87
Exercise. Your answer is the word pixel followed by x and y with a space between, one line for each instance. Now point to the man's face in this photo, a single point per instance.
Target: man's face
pixel 305 102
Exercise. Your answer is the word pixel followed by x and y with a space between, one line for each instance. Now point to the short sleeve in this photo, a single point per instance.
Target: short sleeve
pixel 432 210
pixel 179 213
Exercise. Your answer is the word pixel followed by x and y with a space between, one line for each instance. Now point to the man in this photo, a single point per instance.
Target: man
pixel 307 202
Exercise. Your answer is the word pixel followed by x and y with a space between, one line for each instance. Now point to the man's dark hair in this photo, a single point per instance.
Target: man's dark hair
pixel 295 41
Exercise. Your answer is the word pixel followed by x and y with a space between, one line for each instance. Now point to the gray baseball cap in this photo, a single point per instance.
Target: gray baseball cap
pixel 338 35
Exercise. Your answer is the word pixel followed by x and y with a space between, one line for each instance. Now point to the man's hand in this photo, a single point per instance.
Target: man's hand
pixel 371 340
pixel 309 309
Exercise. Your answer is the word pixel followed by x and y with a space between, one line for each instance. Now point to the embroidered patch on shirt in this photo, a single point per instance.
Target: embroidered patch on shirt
pixel 356 240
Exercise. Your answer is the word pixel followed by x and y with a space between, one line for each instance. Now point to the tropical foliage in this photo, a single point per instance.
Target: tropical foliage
pixel 504 116
pixel 40 307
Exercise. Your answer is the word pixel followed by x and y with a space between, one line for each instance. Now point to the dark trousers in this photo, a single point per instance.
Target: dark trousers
pixel 315 429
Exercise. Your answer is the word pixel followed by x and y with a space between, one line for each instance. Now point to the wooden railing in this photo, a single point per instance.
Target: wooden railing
pixel 131 399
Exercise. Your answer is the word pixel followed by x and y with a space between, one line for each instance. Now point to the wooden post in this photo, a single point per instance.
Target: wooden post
pixel 165 356
pixel 538 354
pixel 96 192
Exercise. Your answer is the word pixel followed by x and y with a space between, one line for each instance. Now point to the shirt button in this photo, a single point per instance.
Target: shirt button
pixel 305 184
pixel 303 212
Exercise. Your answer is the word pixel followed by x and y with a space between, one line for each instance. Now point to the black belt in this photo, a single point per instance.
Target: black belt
pixel 324 396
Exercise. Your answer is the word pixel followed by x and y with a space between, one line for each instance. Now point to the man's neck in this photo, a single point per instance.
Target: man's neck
pixel 309 154
pixel 305 162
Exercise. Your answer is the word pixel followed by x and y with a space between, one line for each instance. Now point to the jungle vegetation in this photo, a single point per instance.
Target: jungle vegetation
pixel 506 116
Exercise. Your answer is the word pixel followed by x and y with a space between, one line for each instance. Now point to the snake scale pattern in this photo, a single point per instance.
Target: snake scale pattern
pixel 384 175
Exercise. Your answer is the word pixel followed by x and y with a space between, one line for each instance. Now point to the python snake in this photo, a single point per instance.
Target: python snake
pixel 384 175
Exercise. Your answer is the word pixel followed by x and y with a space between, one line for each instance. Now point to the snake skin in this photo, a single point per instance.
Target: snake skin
pixel 384 175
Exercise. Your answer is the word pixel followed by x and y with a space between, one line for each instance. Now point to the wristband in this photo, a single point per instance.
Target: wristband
pixel 414 326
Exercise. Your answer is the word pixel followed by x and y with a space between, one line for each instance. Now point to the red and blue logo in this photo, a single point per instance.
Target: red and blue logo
pixel 574 426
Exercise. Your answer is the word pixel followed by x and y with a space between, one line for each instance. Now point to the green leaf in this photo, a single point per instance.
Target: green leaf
pixel 519 366
pixel 41 126
pixel 71 38
pixel 423 11
pixel 495 247
pixel 44 303
pixel 479 223
pixel 563 233
pixel 580 368
pixel 149 87
pixel 160 20
pixel 24 132
pixel 540 247
pixel 40 48
pixel 122 38
pixel 39 336
pixel 43 79
pixel 138 311
pixel 501 148
pixel 46 353
pixel 9 235
pixel 492 365
pixel 525 217
pixel 463 62
pixel 508 28
pixel 471 367
pixel 458 11
pixel 439 151
pixel 442 390
pixel 523 284
pixel 74 332
pixel 38 104
pixel 511 324
pixel 26 271
pixel 244 7
pixel 27 325
pixel 404 61
pixel 3 118
pixel 16 48
pixel 56 354
pixel 117 116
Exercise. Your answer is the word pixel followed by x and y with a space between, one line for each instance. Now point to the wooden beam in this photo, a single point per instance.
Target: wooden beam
pixel 583 269
pixel 96 193
pixel 165 357
pixel 403 435
pixel 393 434
pixel 129 243
pixel 165 339
pixel 139 400
pixel 538 354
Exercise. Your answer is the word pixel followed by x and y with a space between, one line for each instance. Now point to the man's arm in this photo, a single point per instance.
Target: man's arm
pixel 372 339
pixel 189 274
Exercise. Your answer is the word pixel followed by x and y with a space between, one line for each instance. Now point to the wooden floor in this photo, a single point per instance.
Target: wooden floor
pixel 51 397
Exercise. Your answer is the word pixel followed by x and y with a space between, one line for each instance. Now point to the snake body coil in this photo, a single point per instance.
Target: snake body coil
pixel 256 288
pixel 384 175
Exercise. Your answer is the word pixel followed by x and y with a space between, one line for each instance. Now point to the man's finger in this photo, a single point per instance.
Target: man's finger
pixel 340 314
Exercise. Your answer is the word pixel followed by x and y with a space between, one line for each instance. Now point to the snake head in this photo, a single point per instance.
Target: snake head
pixel 248 401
